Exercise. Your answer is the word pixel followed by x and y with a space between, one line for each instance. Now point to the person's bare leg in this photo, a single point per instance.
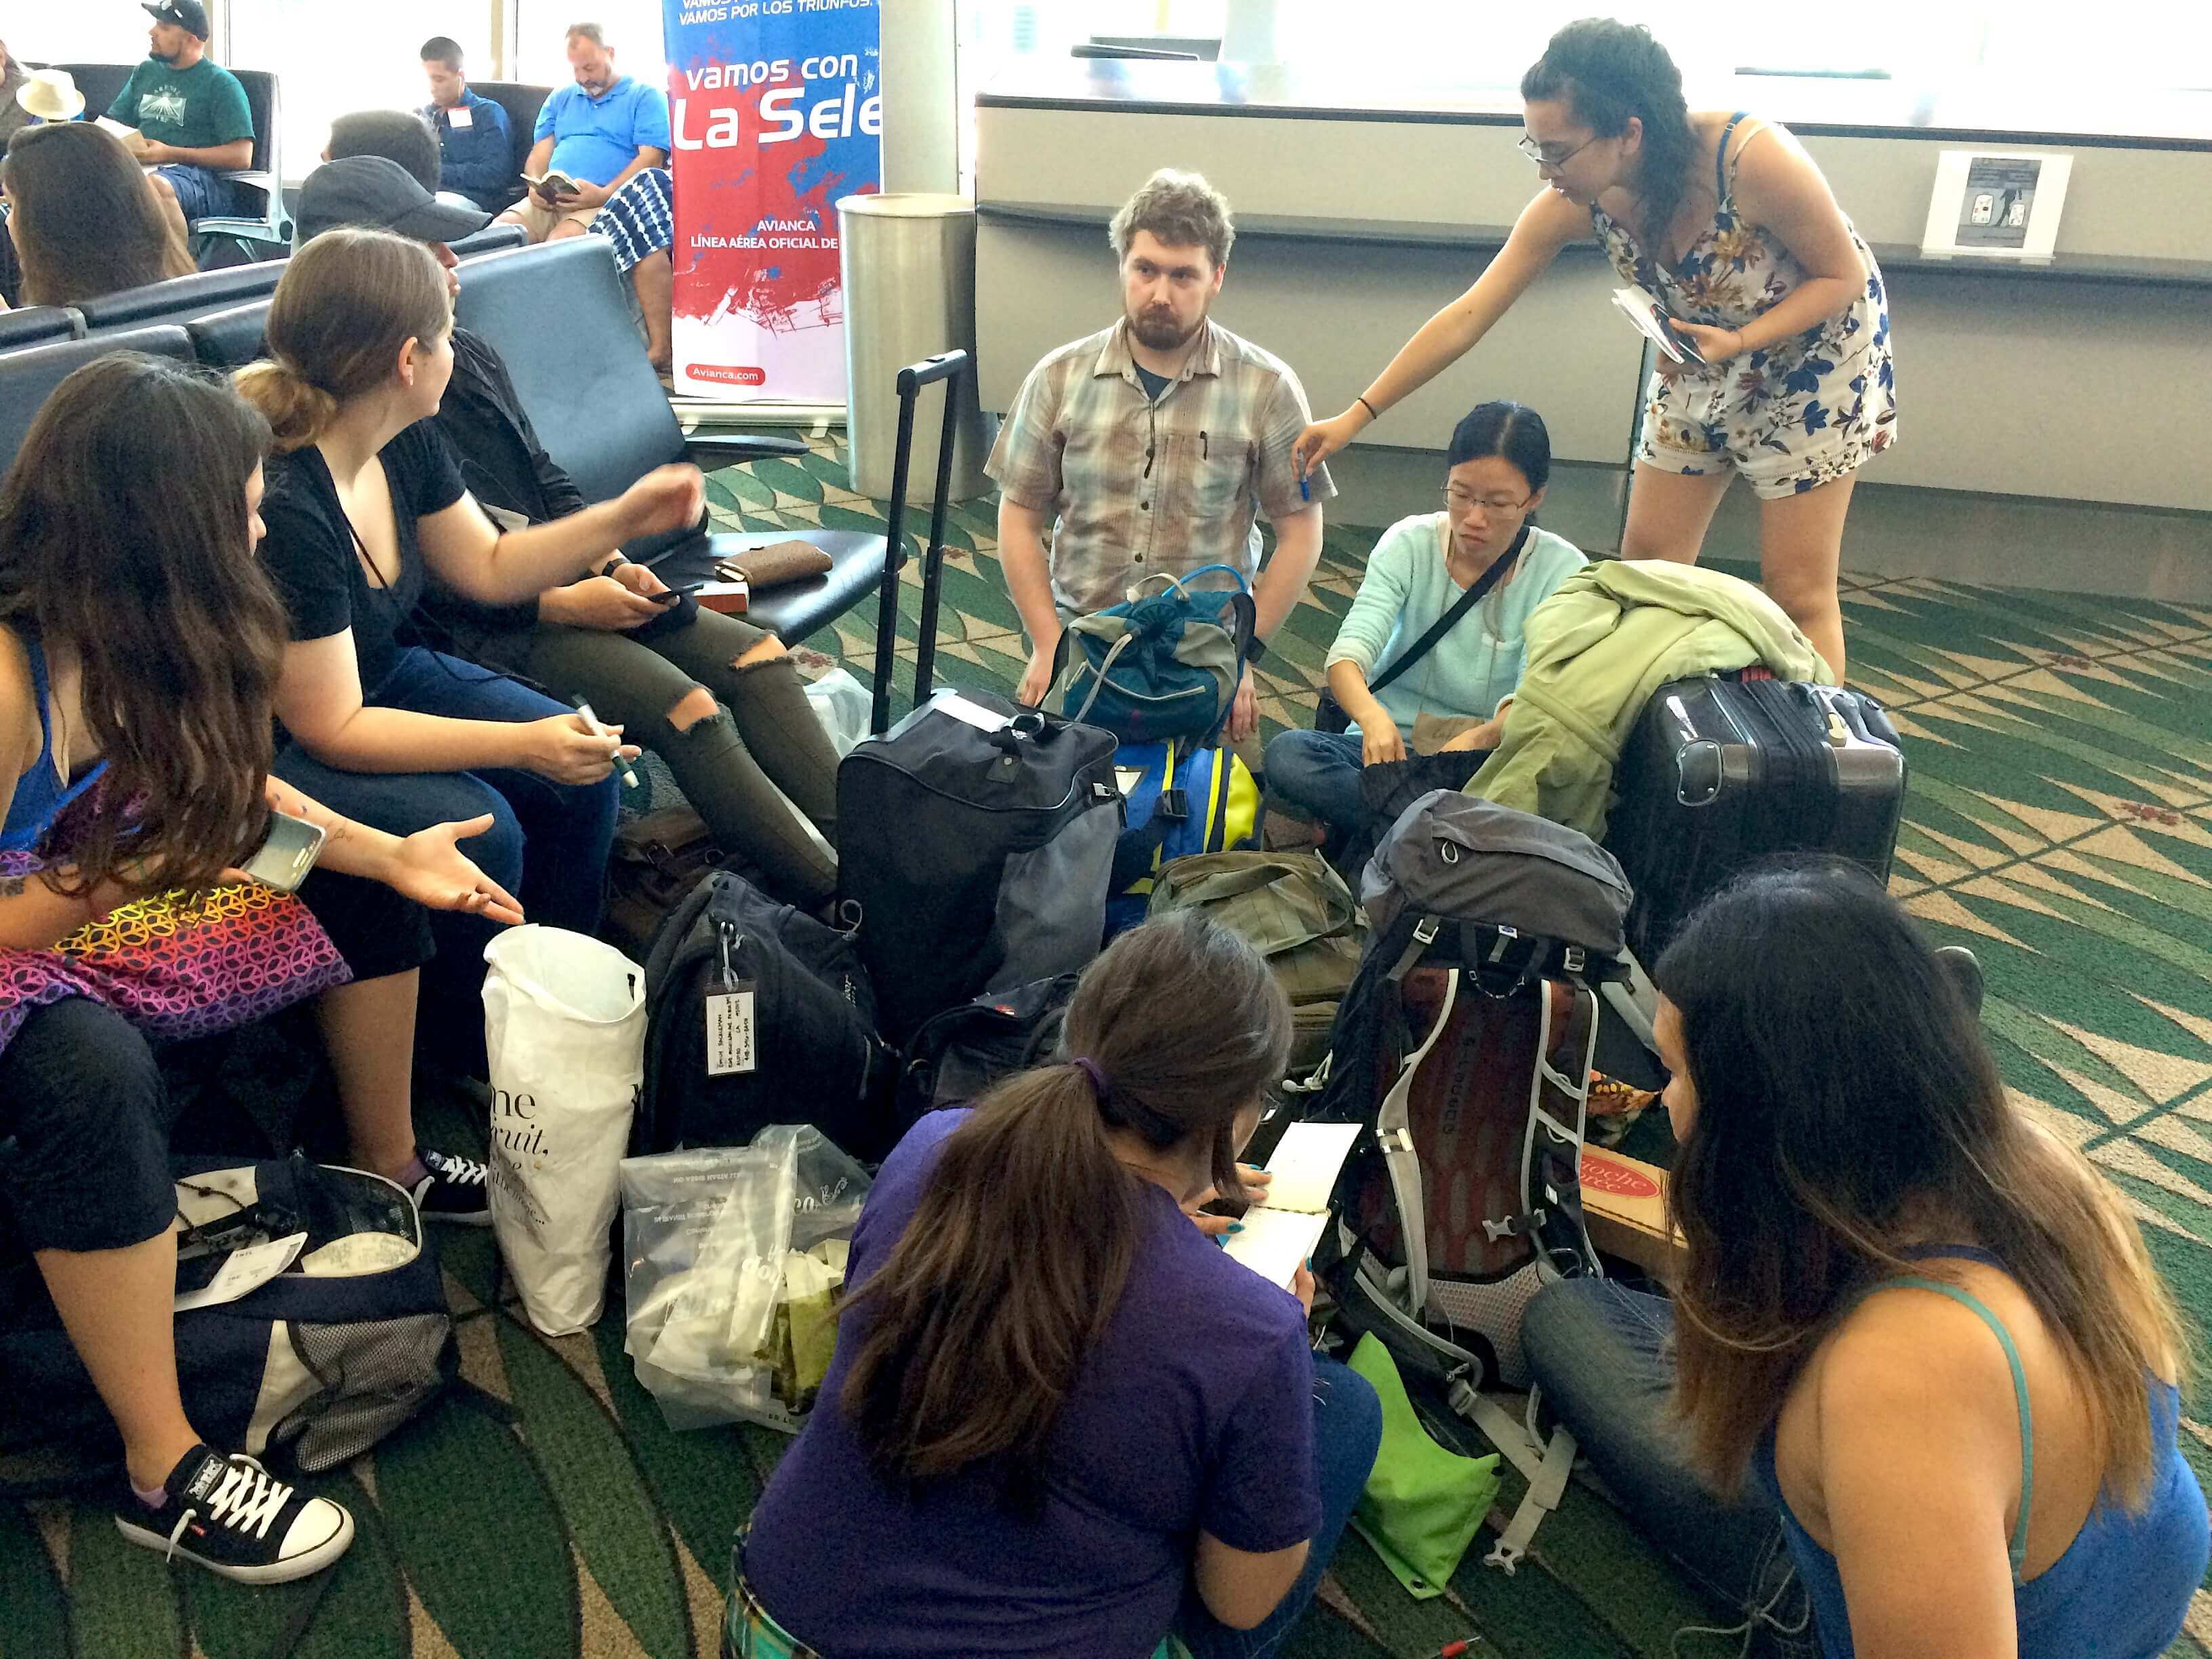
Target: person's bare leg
pixel 654 278
pixel 1801 549
pixel 564 229
pixel 368 1028
pixel 165 198
pixel 1668 513
pixel 117 1306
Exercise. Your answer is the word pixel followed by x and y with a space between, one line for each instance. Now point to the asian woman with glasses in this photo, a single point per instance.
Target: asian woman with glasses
pixel 1726 222
pixel 1480 562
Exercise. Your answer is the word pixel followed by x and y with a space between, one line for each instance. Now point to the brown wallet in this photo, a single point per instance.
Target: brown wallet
pixel 774 565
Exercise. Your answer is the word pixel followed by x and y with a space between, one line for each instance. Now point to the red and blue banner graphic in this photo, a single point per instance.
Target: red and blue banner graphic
pixel 776 107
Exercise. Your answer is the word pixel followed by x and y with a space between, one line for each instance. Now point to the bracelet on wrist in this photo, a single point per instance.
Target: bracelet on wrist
pixel 1373 413
pixel 613 565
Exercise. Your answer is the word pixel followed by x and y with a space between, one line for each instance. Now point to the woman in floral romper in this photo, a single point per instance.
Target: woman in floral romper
pixel 1729 223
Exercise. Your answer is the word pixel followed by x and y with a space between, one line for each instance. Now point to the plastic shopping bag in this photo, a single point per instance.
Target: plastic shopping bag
pixel 735 1261
pixel 843 706
pixel 564 1025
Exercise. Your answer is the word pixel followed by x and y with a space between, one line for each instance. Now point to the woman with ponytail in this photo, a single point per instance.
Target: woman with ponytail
pixel 1060 1420
pixel 365 507
pixel 1726 220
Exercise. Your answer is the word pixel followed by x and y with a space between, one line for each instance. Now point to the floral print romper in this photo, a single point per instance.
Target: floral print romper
pixel 1802 412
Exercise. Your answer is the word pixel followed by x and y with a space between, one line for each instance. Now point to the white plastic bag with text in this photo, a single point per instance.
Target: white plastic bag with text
pixel 564 1026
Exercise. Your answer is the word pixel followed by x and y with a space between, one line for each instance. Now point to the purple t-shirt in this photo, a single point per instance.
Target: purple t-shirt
pixel 1194 1410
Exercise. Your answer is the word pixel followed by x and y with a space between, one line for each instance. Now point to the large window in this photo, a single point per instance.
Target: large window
pixel 332 60
pixel 2159 43
pixel 633 28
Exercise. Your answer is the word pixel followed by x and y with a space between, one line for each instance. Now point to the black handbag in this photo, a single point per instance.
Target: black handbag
pixel 1329 712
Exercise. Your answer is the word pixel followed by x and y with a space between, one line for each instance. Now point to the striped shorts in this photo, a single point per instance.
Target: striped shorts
pixel 640 218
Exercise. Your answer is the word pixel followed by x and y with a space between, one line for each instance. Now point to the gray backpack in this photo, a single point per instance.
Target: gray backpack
pixel 1464 1047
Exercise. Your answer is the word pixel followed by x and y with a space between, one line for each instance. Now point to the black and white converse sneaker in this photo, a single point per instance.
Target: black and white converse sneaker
pixel 456 1189
pixel 233 1518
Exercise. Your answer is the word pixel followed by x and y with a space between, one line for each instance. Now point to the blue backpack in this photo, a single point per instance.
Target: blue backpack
pixel 1162 665
pixel 1184 801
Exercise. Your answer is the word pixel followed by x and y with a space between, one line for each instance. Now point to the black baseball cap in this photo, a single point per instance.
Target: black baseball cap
pixel 187 15
pixel 376 193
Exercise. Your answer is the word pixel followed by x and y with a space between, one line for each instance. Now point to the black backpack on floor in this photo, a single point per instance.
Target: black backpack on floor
pixel 797 1045
pixel 957 1055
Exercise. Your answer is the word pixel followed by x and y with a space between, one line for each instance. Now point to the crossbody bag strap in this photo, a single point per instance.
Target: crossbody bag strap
pixel 1451 619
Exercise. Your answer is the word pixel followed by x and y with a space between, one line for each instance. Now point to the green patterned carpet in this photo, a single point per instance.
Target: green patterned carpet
pixel 2059 821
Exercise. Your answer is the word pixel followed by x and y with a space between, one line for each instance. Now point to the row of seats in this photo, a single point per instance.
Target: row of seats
pixel 559 315
pixel 186 299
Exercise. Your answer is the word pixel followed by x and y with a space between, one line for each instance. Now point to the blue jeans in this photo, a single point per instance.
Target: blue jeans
pixel 1604 1355
pixel 1347 1429
pixel 1318 772
pixel 566 828
pixel 201 192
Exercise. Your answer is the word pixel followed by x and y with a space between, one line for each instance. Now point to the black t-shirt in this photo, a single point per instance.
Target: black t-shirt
pixel 309 549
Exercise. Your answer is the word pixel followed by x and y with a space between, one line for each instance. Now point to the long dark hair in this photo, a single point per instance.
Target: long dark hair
pixel 978 1323
pixel 83 221
pixel 124 539
pixel 1512 432
pixel 1844 1095
pixel 1607 71
pixel 346 304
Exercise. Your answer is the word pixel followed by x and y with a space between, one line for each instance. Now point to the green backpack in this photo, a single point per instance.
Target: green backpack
pixel 1295 911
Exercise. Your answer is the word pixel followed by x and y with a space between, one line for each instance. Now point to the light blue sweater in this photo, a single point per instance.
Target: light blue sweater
pixel 1408 587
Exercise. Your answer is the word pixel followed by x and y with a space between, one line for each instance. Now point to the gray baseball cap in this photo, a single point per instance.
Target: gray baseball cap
pixel 377 194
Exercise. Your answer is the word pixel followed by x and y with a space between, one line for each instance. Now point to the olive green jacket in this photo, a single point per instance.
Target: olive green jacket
pixel 1598 649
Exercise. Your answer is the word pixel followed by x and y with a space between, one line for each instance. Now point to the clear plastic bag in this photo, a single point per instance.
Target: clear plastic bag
pixel 843 706
pixel 735 1261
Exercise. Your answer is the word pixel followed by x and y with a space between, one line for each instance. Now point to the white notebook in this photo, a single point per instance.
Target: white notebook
pixel 1280 1235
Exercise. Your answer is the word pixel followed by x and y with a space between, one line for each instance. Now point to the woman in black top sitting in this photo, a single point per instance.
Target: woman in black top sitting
pixel 363 504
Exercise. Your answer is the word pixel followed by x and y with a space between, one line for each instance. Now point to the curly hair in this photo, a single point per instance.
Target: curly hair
pixel 1182 210
pixel 1607 71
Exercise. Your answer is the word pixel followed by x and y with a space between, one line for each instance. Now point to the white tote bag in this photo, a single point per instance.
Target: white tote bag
pixel 564 1024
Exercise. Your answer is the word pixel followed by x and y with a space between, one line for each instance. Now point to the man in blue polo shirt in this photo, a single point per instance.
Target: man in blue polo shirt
pixel 189 118
pixel 599 132
pixel 474 147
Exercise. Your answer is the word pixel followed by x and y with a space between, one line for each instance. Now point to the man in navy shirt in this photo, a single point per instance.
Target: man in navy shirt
pixel 478 149
pixel 600 131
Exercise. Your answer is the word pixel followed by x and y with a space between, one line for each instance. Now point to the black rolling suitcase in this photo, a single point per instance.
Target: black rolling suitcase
pixel 976 838
pixel 1720 773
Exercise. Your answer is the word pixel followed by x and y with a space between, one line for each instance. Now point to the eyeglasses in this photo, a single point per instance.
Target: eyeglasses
pixel 1528 146
pixel 1495 506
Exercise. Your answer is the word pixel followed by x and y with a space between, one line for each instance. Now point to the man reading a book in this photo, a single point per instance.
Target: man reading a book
pixel 592 137
pixel 186 116
pixel 1150 448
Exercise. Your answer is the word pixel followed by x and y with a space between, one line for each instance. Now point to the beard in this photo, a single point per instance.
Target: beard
pixel 1158 330
pixel 160 56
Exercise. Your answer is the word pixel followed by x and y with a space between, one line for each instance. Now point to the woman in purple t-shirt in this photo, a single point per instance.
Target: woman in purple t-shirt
pixel 1060 1420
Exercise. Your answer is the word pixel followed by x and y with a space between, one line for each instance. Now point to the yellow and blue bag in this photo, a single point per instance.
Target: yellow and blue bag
pixel 1182 799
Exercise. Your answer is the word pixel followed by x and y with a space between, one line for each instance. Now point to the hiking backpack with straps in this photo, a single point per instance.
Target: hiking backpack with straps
pixel 1464 1047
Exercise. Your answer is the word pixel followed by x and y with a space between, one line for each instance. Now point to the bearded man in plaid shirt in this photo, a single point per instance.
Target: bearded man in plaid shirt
pixel 1153 445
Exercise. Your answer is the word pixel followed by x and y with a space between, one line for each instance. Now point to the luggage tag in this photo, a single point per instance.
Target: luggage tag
pixel 732 1049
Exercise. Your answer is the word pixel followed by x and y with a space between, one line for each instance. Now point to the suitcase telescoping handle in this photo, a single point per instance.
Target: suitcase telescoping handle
pixel 948 366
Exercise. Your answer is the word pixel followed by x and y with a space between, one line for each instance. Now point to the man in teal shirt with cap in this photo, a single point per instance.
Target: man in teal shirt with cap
pixel 188 116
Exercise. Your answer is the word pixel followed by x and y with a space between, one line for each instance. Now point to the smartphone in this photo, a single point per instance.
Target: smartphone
pixel 286 853
pixel 673 594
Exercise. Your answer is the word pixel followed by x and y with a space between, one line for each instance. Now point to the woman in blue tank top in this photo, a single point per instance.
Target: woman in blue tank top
pixel 1914 1332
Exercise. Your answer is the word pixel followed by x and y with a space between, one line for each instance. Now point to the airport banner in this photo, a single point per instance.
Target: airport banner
pixel 776 111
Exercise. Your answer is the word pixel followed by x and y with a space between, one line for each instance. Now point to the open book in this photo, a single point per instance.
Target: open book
pixel 554 182
pixel 1652 322
pixel 1280 1235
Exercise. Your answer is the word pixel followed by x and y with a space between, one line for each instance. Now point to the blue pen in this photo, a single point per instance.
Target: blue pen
pixel 1306 490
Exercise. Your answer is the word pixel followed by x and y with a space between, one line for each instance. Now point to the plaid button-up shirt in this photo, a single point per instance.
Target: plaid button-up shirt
pixel 1137 487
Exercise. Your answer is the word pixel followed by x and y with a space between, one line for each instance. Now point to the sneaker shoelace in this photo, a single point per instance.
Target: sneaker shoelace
pixel 248 1499
pixel 456 1171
